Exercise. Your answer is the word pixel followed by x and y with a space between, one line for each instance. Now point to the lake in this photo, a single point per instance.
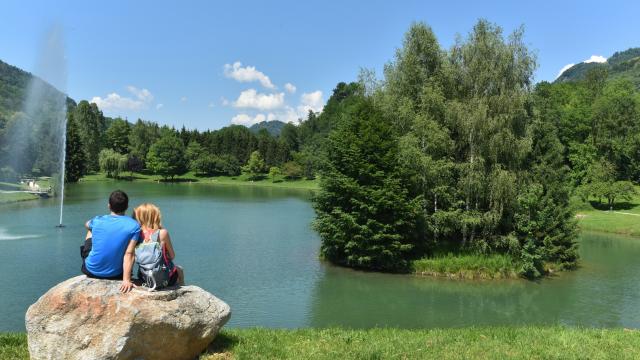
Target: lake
pixel 254 248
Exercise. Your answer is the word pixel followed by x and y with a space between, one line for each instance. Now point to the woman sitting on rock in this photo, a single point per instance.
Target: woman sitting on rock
pixel 155 254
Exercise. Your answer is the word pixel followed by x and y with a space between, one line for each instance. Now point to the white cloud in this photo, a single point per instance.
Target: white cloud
pixel 254 100
pixel 184 99
pixel 224 101
pixel 596 59
pixel 247 74
pixel 310 101
pixel 247 120
pixel 114 101
pixel 159 106
pixel 212 105
pixel 564 68
pixel 143 95
pixel 290 88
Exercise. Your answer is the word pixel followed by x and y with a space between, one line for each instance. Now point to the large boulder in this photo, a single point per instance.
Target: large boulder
pixel 84 318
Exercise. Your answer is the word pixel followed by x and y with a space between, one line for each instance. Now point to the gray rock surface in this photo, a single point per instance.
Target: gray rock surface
pixel 83 318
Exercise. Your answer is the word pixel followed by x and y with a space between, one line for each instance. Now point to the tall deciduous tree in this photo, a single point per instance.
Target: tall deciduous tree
pixel 117 136
pixel 255 166
pixel 166 157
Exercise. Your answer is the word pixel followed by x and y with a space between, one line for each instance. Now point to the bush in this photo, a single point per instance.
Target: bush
pixel 291 170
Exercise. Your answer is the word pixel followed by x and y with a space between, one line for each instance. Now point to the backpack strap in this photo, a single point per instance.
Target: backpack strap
pixel 155 236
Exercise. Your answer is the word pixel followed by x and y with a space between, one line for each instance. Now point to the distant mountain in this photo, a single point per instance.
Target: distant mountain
pixel 624 64
pixel 14 85
pixel 273 127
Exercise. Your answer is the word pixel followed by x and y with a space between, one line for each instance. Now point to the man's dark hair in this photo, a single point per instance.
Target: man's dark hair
pixel 118 201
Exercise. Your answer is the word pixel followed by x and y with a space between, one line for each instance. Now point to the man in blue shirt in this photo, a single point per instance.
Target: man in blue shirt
pixel 110 244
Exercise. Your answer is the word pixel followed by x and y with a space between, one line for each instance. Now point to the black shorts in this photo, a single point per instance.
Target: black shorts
pixel 84 252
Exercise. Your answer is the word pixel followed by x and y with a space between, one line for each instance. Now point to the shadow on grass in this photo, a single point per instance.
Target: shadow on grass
pixel 617 206
pixel 221 347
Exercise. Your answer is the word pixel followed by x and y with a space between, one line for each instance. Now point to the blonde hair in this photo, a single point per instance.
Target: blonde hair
pixel 149 216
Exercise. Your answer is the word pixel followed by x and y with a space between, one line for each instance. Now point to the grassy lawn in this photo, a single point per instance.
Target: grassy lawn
pixel 624 219
pixel 388 343
pixel 6 198
pixel 495 266
pixel 214 180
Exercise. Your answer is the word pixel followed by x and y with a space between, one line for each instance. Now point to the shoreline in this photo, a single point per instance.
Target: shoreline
pixel 189 178
pixel 16 197
pixel 496 342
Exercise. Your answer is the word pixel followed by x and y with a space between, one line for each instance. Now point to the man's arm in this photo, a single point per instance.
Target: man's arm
pixel 129 257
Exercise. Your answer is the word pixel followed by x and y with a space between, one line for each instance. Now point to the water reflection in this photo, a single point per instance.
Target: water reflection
pixel 603 293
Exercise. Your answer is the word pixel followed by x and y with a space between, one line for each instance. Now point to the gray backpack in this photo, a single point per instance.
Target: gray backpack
pixel 154 267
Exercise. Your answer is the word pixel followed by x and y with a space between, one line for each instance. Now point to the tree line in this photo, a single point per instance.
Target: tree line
pixel 116 146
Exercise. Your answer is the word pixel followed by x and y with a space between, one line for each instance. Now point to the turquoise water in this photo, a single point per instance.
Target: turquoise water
pixel 254 248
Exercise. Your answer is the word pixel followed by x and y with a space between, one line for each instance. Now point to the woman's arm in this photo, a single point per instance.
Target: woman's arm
pixel 165 240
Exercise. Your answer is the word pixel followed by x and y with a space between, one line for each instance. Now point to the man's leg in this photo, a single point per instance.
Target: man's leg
pixel 85 249
pixel 180 275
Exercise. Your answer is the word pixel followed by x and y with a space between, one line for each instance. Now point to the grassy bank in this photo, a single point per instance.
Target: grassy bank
pixel 624 219
pixel 385 343
pixel 6 198
pixel 468 266
pixel 243 180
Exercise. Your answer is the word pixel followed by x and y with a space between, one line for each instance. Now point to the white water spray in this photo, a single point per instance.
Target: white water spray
pixel 63 162
pixel 39 137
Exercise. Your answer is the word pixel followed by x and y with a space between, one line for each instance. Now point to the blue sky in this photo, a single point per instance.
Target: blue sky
pixel 206 64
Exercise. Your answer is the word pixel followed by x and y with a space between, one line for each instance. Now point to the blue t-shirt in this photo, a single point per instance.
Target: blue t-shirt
pixel 111 235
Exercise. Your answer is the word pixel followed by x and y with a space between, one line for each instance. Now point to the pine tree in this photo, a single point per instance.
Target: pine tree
pixel 365 216
pixel 76 162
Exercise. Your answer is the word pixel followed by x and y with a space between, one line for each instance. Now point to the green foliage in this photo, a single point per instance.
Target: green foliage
pixel 469 266
pixel 207 165
pixel 142 135
pixel 75 162
pixel 292 170
pixel 274 172
pixel 600 183
pixel 117 136
pixel 464 152
pixel 92 127
pixel 112 162
pixel 193 153
pixel 255 166
pixel 365 217
pixel 166 157
pixel 531 260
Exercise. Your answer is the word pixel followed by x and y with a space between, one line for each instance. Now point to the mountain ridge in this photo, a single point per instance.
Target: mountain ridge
pixel 621 65
pixel 274 127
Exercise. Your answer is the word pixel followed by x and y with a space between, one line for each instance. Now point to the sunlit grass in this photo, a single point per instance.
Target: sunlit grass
pixel 13 346
pixel 623 219
pixel 527 342
pixel 468 266
pixel 16 197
